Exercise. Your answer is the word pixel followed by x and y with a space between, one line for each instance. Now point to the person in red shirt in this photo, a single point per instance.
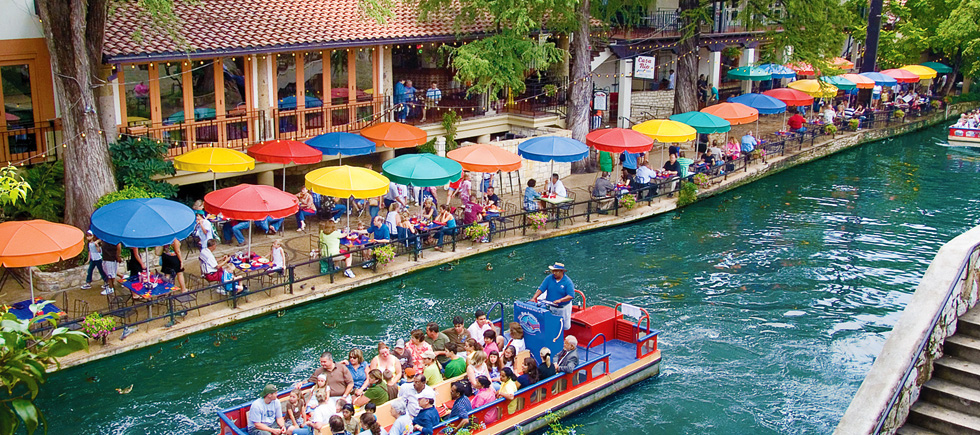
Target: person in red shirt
pixel 795 123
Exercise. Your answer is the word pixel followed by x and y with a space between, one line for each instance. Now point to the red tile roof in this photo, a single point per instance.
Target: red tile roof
pixel 217 26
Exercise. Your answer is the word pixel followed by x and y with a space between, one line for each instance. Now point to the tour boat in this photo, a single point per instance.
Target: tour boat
pixel 964 137
pixel 614 352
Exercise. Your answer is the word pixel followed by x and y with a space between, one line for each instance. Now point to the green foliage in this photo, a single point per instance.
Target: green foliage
pixel 450 122
pixel 628 201
pixel 899 113
pixel 500 61
pixel 130 192
pixel 428 147
pixel 98 327
pixel 945 27
pixel 853 124
pixel 555 426
pixel 816 29
pixel 830 129
pixel 476 232
pixel 24 358
pixel 47 198
pixel 384 254
pixel 137 160
pixel 12 186
pixel 688 194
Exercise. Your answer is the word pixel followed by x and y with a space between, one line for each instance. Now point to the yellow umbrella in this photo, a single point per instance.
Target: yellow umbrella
pixel 814 88
pixel 665 130
pixel 214 160
pixel 347 181
pixel 924 72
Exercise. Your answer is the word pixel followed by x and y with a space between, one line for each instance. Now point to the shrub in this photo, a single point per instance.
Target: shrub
pixel 47 198
pixel 853 124
pixel 130 192
pixel 701 180
pixel 137 160
pixel 830 129
pixel 384 254
pixel 476 232
pixel 98 327
pixel 628 201
pixel 428 147
pixel 899 113
pixel 936 104
pixel 537 220
pixel 688 194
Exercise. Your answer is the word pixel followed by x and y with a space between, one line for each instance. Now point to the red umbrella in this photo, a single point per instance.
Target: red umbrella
pixel 617 140
pixel 801 68
pixel 485 158
pixel 791 97
pixel 395 135
pixel 285 152
pixel 249 202
pixel 901 75
pixel 735 113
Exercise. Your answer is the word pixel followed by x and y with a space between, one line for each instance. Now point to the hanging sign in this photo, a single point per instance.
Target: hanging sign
pixel 645 67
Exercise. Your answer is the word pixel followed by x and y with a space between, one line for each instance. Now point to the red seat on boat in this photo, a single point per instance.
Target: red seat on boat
pixel 593 320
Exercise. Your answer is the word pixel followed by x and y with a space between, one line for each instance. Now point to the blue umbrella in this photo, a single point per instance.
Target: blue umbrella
pixel 553 149
pixel 289 103
pixel 765 104
pixel 778 71
pixel 143 222
pixel 880 79
pixel 342 143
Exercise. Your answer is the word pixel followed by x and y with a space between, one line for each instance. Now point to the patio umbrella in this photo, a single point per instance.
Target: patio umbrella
pixel 801 68
pixel 485 158
pixel 841 63
pixel 201 113
pixel 143 222
pixel 704 123
pixel 778 71
pixel 214 160
pixel 422 170
pixel 765 104
pixel 553 149
pixel 749 73
pixel 285 152
pixel 249 202
pixel 347 181
pixel 901 75
pixel 940 68
pixel 860 81
pixel 924 72
pixel 734 113
pixel 666 131
pixel 880 79
pixel 341 144
pixel 814 88
pixel 289 103
pixel 791 97
pixel 618 140
pixel 37 242
pixel 839 82
pixel 395 135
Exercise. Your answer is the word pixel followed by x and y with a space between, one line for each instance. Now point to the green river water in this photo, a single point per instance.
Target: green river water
pixel 773 301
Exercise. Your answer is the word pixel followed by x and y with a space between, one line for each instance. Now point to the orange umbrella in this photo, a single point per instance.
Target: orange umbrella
pixel 485 158
pixel 395 135
pixel 802 68
pixel 37 242
pixel 861 81
pixel 735 113
pixel 842 63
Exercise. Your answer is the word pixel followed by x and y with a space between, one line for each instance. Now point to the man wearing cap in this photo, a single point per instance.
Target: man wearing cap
pixel 559 292
pixel 411 393
pixel 403 422
pixel 265 415
pixel 404 358
pixel 431 370
pixel 427 417
pixel 339 379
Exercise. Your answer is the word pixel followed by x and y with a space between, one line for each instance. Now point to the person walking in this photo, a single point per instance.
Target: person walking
pixel 94 261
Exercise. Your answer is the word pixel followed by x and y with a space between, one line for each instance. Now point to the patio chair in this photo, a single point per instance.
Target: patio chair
pixel 565 210
pixel 121 306
pixel 185 302
pixel 79 310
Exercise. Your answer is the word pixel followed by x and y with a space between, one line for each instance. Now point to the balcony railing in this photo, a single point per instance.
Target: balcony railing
pixel 29 143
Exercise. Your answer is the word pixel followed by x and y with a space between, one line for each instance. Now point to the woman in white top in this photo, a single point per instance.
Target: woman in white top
pixel 385 361
pixel 278 256
pixel 477 367
pixel 393 219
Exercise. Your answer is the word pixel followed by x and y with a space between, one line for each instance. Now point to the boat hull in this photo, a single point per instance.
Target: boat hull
pixel 964 137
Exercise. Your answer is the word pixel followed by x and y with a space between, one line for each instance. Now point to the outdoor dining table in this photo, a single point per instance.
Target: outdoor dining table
pixel 22 310
pixel 146 291
pixel 255 263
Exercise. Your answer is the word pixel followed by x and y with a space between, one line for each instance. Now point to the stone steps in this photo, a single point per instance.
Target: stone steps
pixel 966 373
pixel 944 421
pixel 969 324
pixel 963 346
pixel 951 395
pixel 909 429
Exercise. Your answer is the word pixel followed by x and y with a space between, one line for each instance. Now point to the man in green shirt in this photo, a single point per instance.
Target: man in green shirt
pixel 456 365
pixel 438 342
pixel 431 371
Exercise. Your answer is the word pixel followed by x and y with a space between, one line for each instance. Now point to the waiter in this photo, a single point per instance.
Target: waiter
pixel 558 291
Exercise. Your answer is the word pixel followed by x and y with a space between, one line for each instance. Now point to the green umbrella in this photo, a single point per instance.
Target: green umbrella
pixel 749 73
pixel 704 123
pixel 939 67
pixel 421 170
pixel 840 82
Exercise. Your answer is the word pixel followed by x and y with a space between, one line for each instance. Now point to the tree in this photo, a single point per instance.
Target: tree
pixel 12 186
pixel 24 360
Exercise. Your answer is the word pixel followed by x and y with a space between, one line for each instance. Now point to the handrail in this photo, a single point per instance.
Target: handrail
pixel 499 319
pixel 579 292
pixel 588 347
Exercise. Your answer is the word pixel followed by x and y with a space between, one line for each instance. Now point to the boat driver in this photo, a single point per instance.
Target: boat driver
pixel 558 291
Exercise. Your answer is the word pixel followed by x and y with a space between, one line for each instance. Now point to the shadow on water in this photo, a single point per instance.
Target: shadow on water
pixel 773 300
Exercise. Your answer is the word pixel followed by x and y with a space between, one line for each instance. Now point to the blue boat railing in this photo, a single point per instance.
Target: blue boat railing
pixel 588 347
pixel 499 321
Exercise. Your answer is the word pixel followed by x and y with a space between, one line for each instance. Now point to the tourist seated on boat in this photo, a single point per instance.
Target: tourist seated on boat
pixel 531 196
pixel 339 379
pixel 508 386
pixel 428 417
pixel 312 398
pixel 296 408
pixel 460 393
pixel 391 384
pixel 480 324
pixel 448 223
pixel 531 374
pixel 336 425
pixel 470 348
pixel 567 360
pixel 507 357
pixel 369 423
pixel 403 421
pixel 437 340
pixel 404 357
pixel 456 365
pixel 431 371
pixel 410 393
pixel 265 416
pixel 358 369
pixel 351 424
pixel 477 366
pixel 494 366
pixel 386 361
pixel 417 346
pixel 375 392
pixel 547 368
pixel 482 396
pixel 490 341
pixel 516 333
pixel 603 191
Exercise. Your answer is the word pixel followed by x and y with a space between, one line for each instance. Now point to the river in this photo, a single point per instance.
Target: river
pixel 773 301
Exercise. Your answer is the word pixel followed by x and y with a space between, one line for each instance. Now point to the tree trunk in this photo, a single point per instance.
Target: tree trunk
pixel 74 31
pixel 951 80
pixel 580 87
pixel 685 86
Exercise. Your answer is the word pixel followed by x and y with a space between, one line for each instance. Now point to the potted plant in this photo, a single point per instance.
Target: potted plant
pixel 98 327
pixel 936 104
pixel 830 129
pixel 537 220
pixel 628 201
pixel 384 254
pixel 900 114
pixel 701 180
pixel 853 124
pixel 476 233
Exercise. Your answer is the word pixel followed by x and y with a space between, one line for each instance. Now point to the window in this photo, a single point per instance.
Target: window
pixel 339 93
pixel 171 93
pixel 202 80
pixel 137 84
pixel 18 108
pixel 364 80
pixel 234 72
pixel 286 81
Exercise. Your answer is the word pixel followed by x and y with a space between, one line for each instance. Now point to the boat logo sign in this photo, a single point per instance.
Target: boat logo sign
pixel 530 323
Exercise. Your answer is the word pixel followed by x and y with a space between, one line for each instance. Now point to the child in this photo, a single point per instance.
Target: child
pixel 351 424
pixel 296 409
pixel 494 365
pixel 312 401
pixel 228 279
pixel 278 257
pixel 94 261
pixel 490 342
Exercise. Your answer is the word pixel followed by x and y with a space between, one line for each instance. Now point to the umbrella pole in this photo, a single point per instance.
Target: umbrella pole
pixel 348 213
pixel 214 180
pixel 249 248
pixel 30 278
pixel 283 177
